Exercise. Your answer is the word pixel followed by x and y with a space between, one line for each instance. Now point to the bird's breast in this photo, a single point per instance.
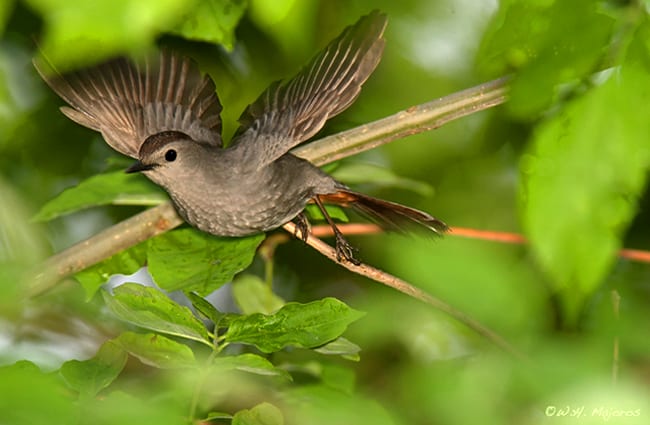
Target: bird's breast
pixel 241 204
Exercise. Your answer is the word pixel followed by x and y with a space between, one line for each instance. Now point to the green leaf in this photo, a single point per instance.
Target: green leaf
pixel 118 188
pixel 353 173
pixel 338 377
pixel 151 309
pixel 89 377
pixel 121 408
pixel 303 325
pixel 79 33
pixel 531 37
pixel 190 260
pixel 126 262
pixel 29 396
pixel 213 416
pixel 156 350
pixel 213 21
pixel 262 414
pixel 251 363
pixel 5 10
pixel 205 308
pixel 341 347
pixel 350 408
pixel 252 295
pixel 582 176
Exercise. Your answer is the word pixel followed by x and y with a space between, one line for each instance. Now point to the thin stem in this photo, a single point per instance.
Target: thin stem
pixel 198 389
pixel 410 290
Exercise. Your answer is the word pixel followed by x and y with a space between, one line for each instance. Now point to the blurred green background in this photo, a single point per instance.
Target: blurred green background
pixel 565 163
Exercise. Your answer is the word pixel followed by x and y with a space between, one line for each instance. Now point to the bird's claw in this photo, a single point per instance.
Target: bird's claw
pixel 302 227
pixel 345 251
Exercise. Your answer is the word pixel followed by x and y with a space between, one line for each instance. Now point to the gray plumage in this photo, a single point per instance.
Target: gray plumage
pixel 167 115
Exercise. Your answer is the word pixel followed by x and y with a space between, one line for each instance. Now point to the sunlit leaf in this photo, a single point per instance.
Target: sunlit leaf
pixel 302 325
pixel 117 188
pixel 89 377
pixel 531 37
pixel 583 174
pixel 190 260
pixel 262 414
pixel 213 21
pixel 252 295
pixel 151 309
pixel 156 350
pixel 251 363
pixel 341 347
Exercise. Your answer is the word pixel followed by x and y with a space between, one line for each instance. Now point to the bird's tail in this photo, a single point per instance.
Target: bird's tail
pixel 389 215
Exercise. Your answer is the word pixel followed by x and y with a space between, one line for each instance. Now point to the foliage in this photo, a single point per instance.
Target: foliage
pixel 566 161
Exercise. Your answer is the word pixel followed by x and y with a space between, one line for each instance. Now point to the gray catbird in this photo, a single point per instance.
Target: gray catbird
pixel 167 117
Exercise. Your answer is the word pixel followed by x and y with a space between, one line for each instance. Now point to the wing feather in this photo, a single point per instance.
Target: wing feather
pixel 289 113
pixel 127 104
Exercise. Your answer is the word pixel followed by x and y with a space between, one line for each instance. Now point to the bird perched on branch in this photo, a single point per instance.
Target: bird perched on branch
pixel 166 115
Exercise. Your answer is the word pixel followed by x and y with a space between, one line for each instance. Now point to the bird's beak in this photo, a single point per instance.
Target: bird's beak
pixel 138 167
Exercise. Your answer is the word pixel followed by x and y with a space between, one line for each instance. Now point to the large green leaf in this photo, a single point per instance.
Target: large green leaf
pixel 151 309
pixel 156 350
pixel 582 176
pixel 302 325
pixel 189 260
pixel 89 377
pixel 29 396
pixel 117 188
pixel 213 21
pixel 147 406
pixel 531 37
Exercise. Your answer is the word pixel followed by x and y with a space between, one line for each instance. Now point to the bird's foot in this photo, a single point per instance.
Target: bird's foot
pixel 345 251
pixel 302 227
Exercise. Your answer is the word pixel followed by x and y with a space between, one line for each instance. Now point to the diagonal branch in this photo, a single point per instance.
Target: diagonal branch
pixel 151 222
pixel 410 290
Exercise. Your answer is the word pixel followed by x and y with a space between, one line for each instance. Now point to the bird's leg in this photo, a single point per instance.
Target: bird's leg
pixel 302 226
pixel 344 251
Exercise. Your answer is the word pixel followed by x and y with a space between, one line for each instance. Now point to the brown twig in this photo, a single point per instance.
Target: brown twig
pixel 408 289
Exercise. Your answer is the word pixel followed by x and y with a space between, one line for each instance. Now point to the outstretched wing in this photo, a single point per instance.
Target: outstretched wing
pixel 127 104
pixel 289 113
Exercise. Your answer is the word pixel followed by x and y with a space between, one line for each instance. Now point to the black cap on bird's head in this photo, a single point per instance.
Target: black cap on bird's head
pixel 154 143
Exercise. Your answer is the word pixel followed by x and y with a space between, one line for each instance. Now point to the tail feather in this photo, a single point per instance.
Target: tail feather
pixel 388 215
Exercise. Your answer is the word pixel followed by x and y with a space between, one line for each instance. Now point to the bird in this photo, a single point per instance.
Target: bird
pixel 166 115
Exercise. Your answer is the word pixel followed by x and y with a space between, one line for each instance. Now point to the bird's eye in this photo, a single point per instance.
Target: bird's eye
pixel 170 155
